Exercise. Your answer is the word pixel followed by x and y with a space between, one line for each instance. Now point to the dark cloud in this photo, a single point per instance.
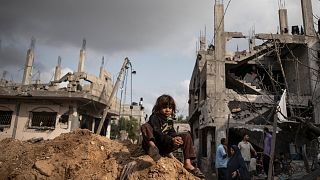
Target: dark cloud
pixel 112 26
pixel 11 56
pixel 107 25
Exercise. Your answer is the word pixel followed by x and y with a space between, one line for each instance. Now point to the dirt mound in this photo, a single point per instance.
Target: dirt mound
pixel 83 155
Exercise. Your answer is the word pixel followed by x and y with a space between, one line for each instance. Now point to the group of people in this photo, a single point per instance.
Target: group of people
pixel 161 139
pixel 239 161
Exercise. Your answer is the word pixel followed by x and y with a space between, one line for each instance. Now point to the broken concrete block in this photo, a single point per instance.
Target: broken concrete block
pixel 44 167
pixel 35 139
pixel 235 110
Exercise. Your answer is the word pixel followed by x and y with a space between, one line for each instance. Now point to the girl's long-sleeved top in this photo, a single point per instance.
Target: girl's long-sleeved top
pixel 162 130
pixel 236 163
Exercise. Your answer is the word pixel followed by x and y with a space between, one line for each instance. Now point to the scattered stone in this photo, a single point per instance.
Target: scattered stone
pixel 35 139
pixel 44 167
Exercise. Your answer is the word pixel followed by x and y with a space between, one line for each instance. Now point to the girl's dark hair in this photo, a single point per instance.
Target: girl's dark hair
pixel 164 101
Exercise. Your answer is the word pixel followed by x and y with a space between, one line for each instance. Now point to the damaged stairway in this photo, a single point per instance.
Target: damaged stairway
pixel 257 51
pixel 248 85
pixel 248 112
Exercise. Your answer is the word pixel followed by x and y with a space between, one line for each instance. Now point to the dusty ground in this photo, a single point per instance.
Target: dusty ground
pixel 83 155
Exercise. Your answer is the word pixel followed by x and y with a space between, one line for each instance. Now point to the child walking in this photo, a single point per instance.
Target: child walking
pixel 160 138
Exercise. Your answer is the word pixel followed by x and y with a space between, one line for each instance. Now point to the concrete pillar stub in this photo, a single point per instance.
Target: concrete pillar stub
pixel 81 60
pixel 74 118
pixel 102 72
pixel 108 134
pixel 57 73
pixel 307 16
pixel 27 75
pixel 283 21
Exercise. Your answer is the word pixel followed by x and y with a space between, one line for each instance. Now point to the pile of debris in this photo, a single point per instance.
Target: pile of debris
pixel 83 155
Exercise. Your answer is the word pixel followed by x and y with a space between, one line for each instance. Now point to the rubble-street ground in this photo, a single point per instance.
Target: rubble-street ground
pixel 83 155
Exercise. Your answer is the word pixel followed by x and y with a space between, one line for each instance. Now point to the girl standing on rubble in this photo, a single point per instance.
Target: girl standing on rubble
pixel 160 138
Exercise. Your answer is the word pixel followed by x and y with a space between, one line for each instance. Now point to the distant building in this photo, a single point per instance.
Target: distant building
pixel 134 110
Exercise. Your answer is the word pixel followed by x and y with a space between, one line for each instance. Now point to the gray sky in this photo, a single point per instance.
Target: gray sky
pixel 158 36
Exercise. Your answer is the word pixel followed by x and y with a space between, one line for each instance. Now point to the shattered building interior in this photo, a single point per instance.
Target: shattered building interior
pixel 230 95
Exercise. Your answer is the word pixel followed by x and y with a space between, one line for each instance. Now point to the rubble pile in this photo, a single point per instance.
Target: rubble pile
pixel 83 155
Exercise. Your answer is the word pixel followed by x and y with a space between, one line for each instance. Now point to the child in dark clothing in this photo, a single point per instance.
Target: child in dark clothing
pixel 160 138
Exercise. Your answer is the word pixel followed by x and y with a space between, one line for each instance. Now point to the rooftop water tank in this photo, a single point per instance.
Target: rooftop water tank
pixel 295 30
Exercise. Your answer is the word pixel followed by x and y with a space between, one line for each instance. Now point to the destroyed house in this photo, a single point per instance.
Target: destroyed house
pixel 242 92
pixel 75 100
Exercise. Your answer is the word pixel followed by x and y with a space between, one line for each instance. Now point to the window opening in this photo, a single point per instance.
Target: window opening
pixel 63 120
pixel 42 120
pixel 5 118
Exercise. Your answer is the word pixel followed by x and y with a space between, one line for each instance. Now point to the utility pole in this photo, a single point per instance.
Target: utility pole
pixel 274 131
pixel 105 112
pixel 275 117
pixel 273 144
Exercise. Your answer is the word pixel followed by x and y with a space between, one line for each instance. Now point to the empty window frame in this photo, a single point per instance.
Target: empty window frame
pixel 5 118
pixel 63 120
pixel 42 120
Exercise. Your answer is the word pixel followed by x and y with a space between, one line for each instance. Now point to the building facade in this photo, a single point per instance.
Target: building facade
pixel 76 100
pixel 239 92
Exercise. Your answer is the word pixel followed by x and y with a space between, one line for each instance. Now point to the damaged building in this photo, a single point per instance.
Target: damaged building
pixel 241 92
pixel 76 100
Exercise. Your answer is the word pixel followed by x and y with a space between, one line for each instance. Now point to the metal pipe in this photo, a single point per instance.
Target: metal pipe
pixel 105 112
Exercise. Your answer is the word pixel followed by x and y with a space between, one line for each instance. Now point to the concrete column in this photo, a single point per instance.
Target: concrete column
pixel 217 89
pixel 307 17
pixel 202 43
pixel 220 133
pixel 252 44
pixel 74 118
pixel 82 57
pixel 220 46
pixel 108 133
pixel 314 73
pixel 17 115
pixel 283 21
pixel 27 74
pixel 101 74
pixel 93 125
pixel 219 34
pixel 57 73
pixel 219 52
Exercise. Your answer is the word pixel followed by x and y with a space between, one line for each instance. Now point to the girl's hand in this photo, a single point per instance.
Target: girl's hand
pixel 234 174
pixel 177 141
